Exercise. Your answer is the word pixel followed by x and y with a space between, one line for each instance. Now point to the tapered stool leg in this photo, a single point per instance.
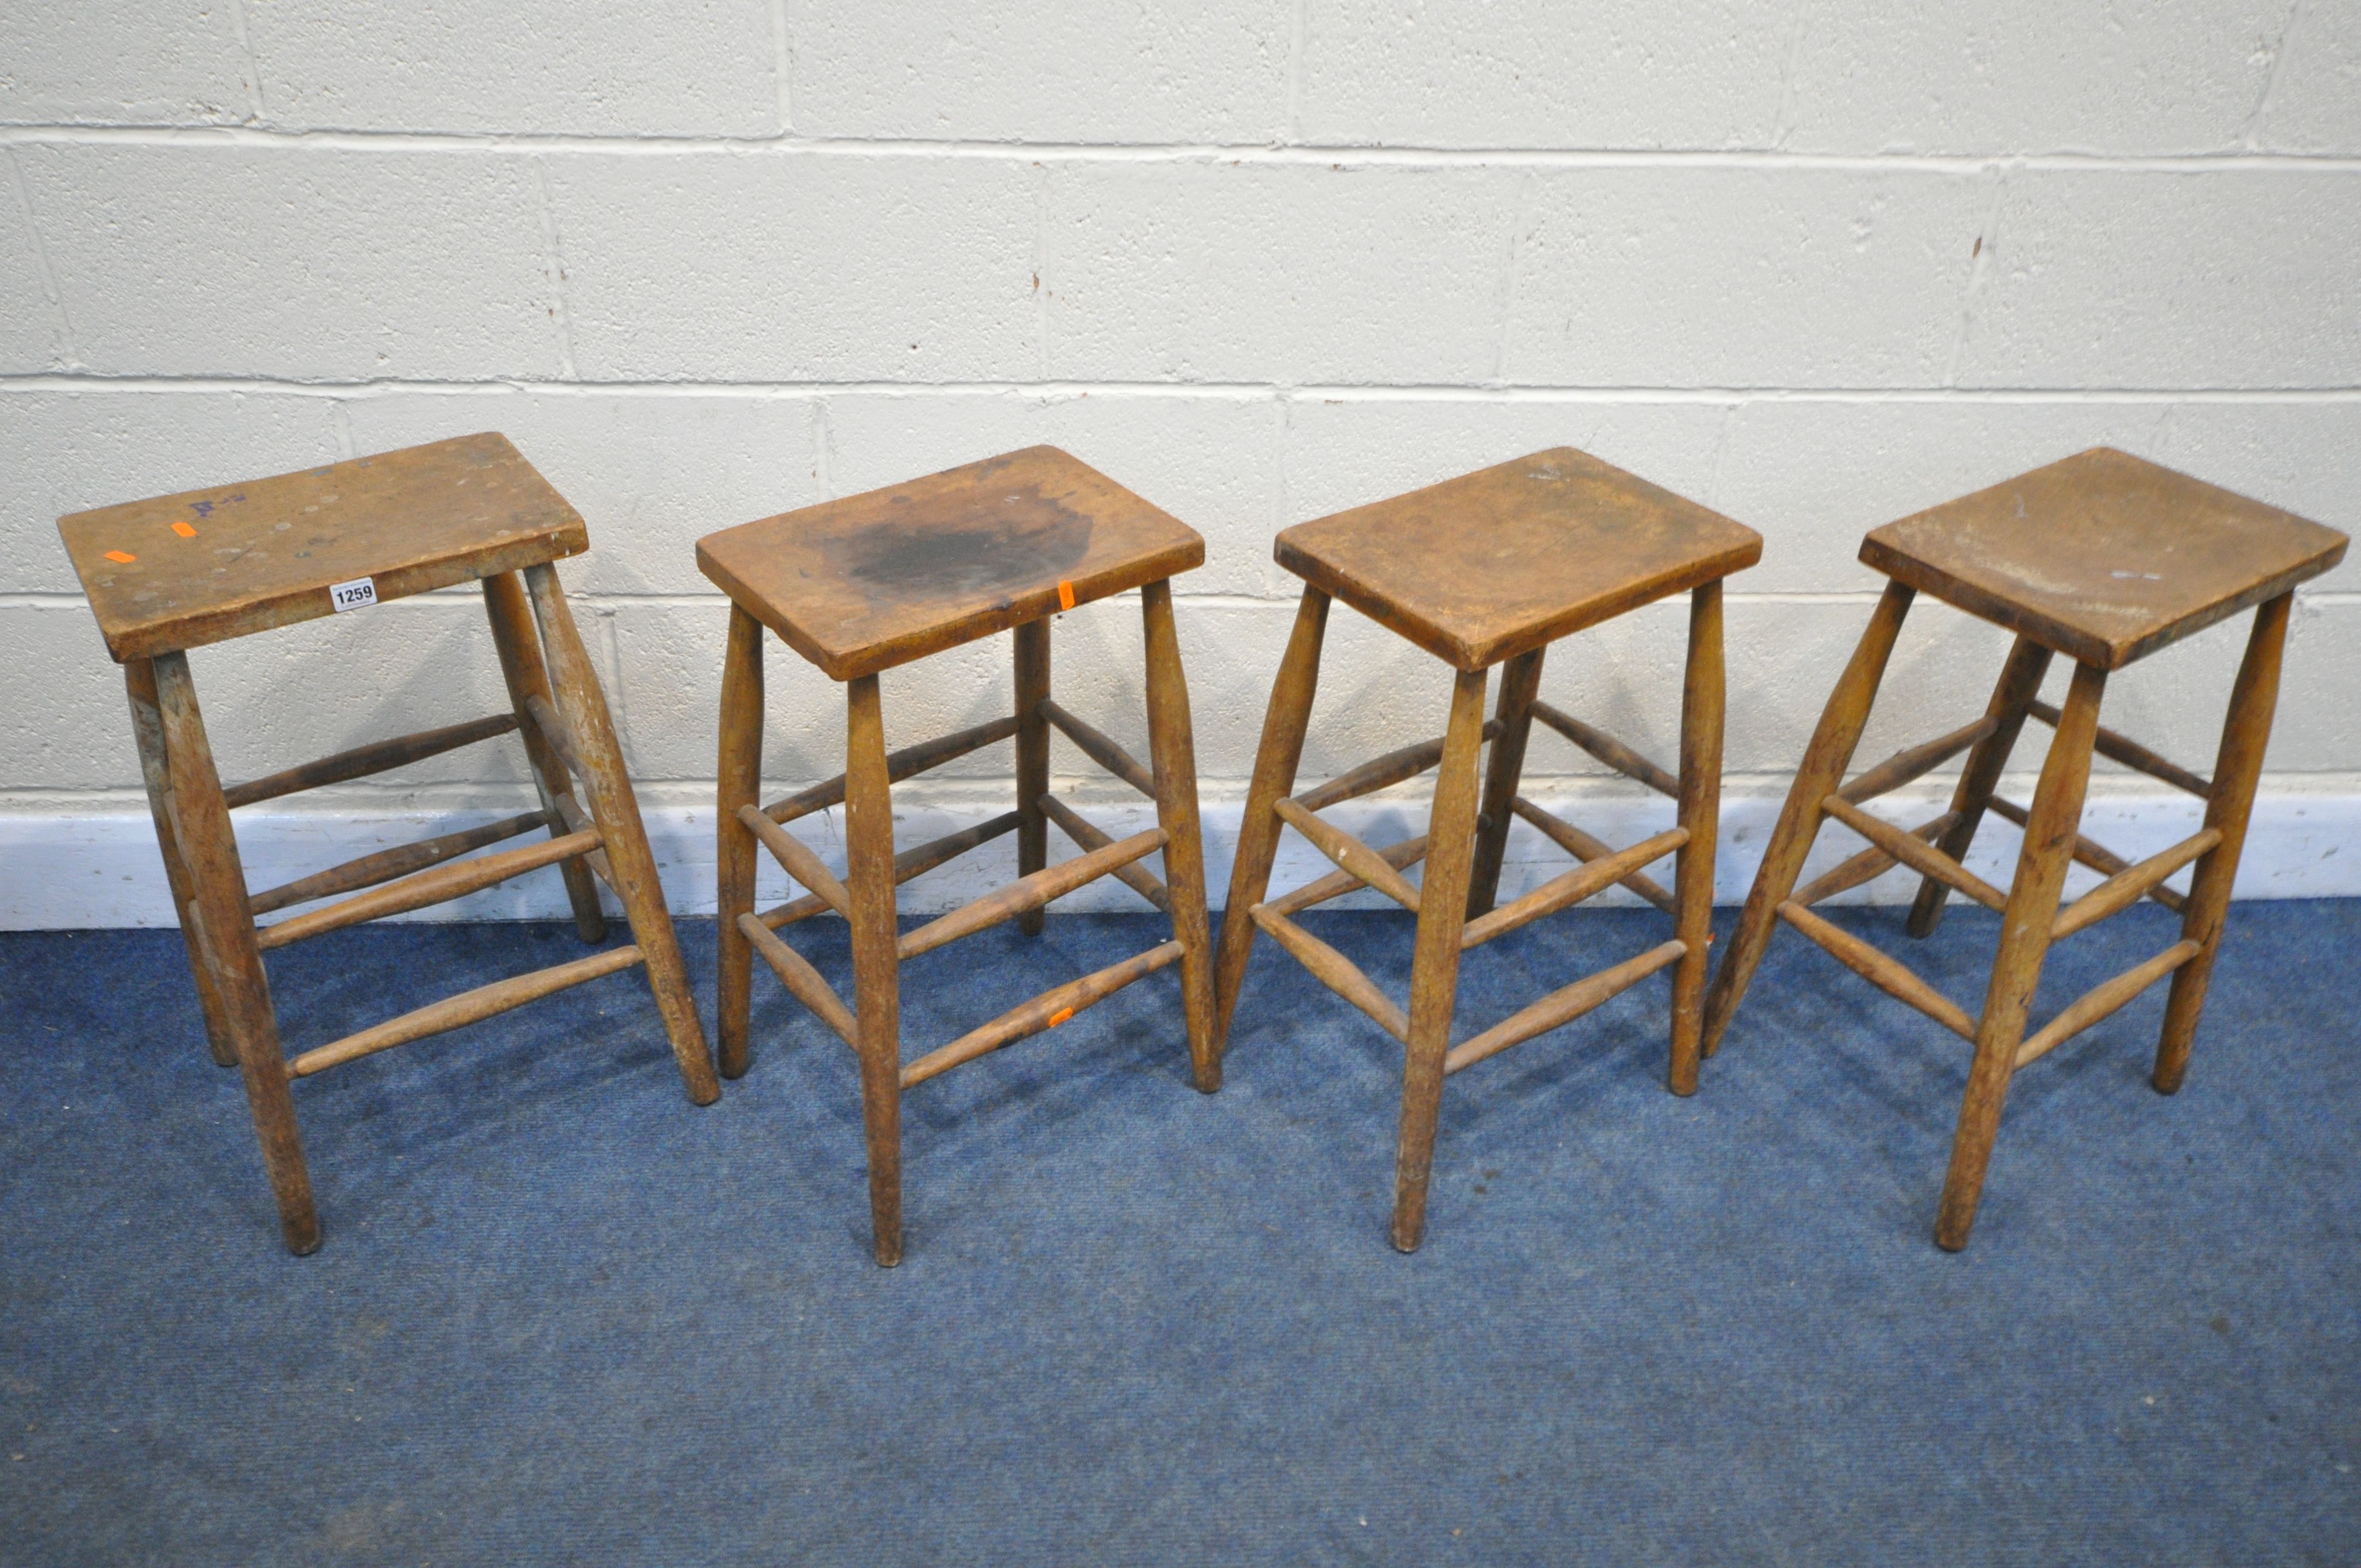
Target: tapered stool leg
pixel 1821 770
pixel 148 730
pixel 1434 963
pixel 1274 778
pixel 528 676
pixel 1172 752
pixel 2237 768
pixel 2051 827
pixel 876 957
pixel 740 774
pixel 1521 678
pixel 1032 758
pixel 1702 702
pixel 226 941
pixel 2019 684
pixel 616 810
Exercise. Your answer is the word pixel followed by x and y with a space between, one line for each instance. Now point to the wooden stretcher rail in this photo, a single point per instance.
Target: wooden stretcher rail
pixel 1047 1011
pixel 2096 856
pixel 438 885
pixel 1609 750
pixel 908 763
pixel 368 871
pixel 468 1007
pixel 909 864
pixel 2103 998
pixel 1381 773
pixel 2128 886
pixel 2132 754
pixel 1101 749
pixel 1336 885
pixel 1028 892
pixel 577 820
pixel 1087 835
pixel 1350 855
pixel 797 860
pixel 1583 847
pixel 1914 760
pixel 1913 852
pixel 1332 969
pixel 553 727
pixel 1571 888
pixel 804 982
pixel 374 758
pixel 1868 865
pixel 1562 1006
pixel 1893 979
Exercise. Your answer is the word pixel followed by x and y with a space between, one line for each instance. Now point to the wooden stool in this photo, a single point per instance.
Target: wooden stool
pixel 2103 558
pixel 174 573
pixel 862 585
pixel 1496 564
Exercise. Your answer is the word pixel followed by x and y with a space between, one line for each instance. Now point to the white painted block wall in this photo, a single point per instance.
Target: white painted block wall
pixel 1817 263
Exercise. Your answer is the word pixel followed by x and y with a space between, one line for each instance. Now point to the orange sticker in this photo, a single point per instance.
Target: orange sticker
pixel 1065 596
pixel 125 557
pixel 1059 1016
pixel 184 531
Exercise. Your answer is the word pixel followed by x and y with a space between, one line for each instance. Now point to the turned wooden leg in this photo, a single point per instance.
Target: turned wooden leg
pixel 2237 769
pixel 2020 682
pixel 1172 752
pixel 148 730
pixel 1700 806
pixel 1274 778
pixel 741 775
pixel 527 677
pixel 876 958
pixel 1821 770
pixel 2049 829
pixel 226 944
pixel 1434 964
pixel 616 810
pixel 1032 757
pixel 1519 679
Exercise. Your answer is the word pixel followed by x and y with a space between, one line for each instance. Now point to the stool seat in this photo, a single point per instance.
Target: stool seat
pixel 2103 557
pixel 872 581
pixel 1510 558
pixel 180 571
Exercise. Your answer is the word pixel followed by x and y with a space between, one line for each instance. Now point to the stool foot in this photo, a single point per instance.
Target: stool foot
pixel 1702 704
pixel 527 674
pixel 876 957
pixel 1172 753
pixel 740 783
pixel 1032 641
pixel 1520 679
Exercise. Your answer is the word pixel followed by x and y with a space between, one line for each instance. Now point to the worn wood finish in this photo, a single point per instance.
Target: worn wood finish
pixel 2238 770
pixel 1822 770
pixel 1512 726
pixel 2023 942
pixel 2132 754
pixel 1332 969
pixel 804 982
pixel 1172 749
pixel 2130 885
pixel 1350 855
pixel 1914 852
pixel 526 675
pixel 1047 1011
pixel 437 885
pixel 1336 885
pixel 2098 856
pixel 1562 1006
pixel 2044 555
pixel 797 859
pixel 1507 559
pixel 369 870
pixel 147 730
pixel 739 773
pixel 2020 681
pixel 468 1007
pixel 554 732
pixel 1913 762
pixel 1610 750
pixel 1029 892
pixel 876 958
pixel 1583 847
pixel 1102 749
pixel 377 757
pixel 1889 975
pixel 1435 961
pixel 1087 835
pixel 1703 701
pixel 911 863
pixel 1032 651
pixel 872 581
pixel 1867 866
pixel 1380 773
pixel 2102 1000
pixel 908 763
pixel 423 518
pixel 616 810
pixel 1276 759
pixel 208 845
pixel 1570 888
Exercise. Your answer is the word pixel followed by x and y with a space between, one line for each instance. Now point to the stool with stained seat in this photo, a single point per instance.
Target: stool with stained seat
pixel 205 566
pixel 1483 569
pixel 2103 558
pixel 875 581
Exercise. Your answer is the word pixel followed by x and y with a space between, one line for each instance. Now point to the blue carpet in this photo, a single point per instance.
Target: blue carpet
pixel 562 1316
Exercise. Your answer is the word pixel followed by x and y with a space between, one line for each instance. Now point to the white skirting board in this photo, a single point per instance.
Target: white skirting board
pixel 87 870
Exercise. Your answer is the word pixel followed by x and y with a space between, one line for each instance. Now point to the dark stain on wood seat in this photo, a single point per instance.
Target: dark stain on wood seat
pixel 1026 538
